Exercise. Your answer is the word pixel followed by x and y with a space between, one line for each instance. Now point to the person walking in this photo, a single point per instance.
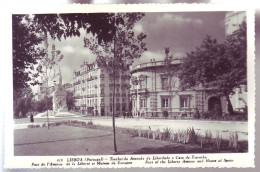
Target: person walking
pixel 31 118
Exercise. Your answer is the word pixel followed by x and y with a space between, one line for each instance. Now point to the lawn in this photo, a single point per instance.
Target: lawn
pixel 69 140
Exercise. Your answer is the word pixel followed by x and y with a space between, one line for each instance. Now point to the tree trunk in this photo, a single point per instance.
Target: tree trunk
pixel 113 111
pixel 114 88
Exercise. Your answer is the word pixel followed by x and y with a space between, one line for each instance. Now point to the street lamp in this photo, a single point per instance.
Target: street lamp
pixel 136 81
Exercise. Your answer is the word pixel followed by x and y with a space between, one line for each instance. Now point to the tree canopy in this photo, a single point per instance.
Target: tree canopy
pixel 117 55
pixel 25 52
pixel 219 66
pixel 27 36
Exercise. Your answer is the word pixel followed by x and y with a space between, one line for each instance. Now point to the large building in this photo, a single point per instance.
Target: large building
pixel 152 95
pixel 94 91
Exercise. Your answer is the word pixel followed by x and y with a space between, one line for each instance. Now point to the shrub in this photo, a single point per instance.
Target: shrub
pixel 166 133
pixel 34 126
pixel 193 136
pixel 165 114
pixel 205 115
pixel 218 141
pixel 182 136
pixel 154 135
pixel 90 122
pixel 196 114
pixel 208 136
pixel 44 125
pixel 233 140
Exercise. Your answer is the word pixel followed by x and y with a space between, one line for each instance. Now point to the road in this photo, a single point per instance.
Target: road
pixel 224 127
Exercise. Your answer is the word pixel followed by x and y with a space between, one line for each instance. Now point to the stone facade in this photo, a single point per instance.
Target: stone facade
pixel 154 94
pixel 94 91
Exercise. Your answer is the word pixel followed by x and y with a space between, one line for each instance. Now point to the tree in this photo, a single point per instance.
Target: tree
pixel 221 67
pixel 69 25
pixel 46 67
pixel 23 103
pixel 70 100
pixel 43 105
pixel 27 31
pixel 117 55
pixel 171 71
pixel 25 51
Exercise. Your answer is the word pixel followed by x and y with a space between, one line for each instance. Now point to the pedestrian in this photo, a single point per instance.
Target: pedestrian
pixel 31 118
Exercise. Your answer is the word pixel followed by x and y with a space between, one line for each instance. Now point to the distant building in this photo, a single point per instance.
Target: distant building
pixel 94 91
pixel 233 20
pixel 152 95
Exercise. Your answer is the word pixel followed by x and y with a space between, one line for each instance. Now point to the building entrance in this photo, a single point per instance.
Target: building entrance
pixel 214 104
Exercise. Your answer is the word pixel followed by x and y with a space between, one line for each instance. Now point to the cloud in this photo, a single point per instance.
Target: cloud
pixel 138 28
pixel 178 19
pixel 179 54
pixel 68 49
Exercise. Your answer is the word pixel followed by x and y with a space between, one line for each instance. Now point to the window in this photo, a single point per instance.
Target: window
pixel 143 83
pixel 123 107
pixel 102 91
pixel 165 102
pixel 164 83
pixel 111 107
pixel 143 103
pixel 117 106
pixel 184 101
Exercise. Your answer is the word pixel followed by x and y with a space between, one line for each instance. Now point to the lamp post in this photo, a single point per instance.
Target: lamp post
pixel 136 81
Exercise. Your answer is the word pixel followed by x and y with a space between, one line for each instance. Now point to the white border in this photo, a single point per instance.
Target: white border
pixel 240 160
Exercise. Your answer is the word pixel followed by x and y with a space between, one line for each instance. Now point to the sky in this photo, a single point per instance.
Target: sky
pixel 181 32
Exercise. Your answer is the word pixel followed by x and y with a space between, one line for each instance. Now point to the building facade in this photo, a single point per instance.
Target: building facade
pixel 152 95
pixel 94 91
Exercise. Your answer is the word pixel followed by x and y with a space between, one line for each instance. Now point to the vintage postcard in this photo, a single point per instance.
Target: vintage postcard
pixel 124 86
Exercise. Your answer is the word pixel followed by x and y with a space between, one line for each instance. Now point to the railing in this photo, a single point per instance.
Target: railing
pixel 154 63
pixel 91 78
pixel 91 95
pixel 77 97
pixel 76 83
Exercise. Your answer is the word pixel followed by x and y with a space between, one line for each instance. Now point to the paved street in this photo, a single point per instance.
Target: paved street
pixel 224 127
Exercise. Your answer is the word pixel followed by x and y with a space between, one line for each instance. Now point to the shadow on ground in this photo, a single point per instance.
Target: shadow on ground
pixel 63 140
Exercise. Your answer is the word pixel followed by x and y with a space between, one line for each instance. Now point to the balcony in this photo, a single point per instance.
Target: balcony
pixel 76 83
pixel 91 78
pixel 91 95
pixel 102 94
pixel 111 85
pixel 77 97
pixel 142 90
pixel 133 91
pixel 154 64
